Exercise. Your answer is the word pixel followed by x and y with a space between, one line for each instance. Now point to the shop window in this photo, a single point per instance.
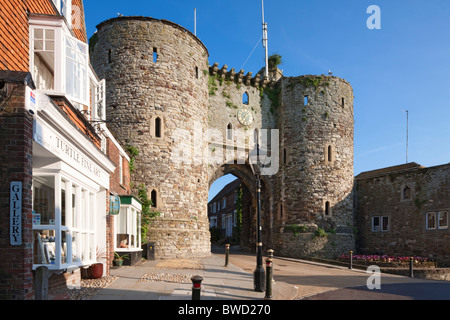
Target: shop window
pixel 63 223
pixel 127 222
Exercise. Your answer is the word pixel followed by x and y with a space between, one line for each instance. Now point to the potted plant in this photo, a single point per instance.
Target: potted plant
pixel 118 261
pixel 96 269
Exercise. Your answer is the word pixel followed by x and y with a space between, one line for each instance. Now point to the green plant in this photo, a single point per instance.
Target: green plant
pixel 320 233
pixel 134 152
pixel 296 229
pixel 275 60
pixel 119 257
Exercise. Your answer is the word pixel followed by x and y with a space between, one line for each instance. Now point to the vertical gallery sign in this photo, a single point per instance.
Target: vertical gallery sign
pixel 15 212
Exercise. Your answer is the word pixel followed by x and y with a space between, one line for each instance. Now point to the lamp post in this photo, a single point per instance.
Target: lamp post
pixel 259 273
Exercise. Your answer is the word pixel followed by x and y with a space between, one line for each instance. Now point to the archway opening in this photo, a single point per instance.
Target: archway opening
pixel 232 209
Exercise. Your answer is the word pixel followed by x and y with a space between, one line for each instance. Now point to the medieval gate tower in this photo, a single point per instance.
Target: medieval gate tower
pixel 161 92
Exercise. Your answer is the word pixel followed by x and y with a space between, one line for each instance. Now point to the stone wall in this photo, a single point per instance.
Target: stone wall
pixel 157 94
pixel 315 182
pixel 382 194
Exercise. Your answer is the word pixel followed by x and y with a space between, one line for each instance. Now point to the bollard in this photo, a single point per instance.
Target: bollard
pixel 351 260
pixel 227 254
pixel 269 271
pixel 41 283
pixel 270 253
pixel 411 272
pixel 196 287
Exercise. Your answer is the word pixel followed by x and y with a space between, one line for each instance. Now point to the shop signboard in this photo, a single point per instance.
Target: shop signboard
pixel 15 211
pixel 114 205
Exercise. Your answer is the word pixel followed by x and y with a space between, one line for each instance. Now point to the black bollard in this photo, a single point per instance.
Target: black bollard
pixel 227 254
pixel 351 260
pixel 196 287
pixel 411 272
pixel 269 271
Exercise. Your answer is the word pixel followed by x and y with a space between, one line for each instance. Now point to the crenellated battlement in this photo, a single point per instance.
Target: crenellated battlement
pixel 258 81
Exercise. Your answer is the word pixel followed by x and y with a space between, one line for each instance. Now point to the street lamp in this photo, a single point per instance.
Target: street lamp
pixel 255 165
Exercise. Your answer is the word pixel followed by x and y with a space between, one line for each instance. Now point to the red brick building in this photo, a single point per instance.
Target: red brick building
pixel 59 164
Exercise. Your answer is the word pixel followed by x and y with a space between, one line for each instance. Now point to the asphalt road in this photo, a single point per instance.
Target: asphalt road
pixel 321 282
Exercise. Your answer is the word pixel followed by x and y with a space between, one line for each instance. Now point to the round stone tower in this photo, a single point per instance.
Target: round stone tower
pixel 315 180
pixel 157 94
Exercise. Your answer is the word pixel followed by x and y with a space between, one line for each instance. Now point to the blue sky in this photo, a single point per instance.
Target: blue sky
pixel 403 66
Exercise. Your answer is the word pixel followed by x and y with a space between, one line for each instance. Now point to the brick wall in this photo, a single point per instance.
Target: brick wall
pixel 381 195
pixel 112 151
pixel 16 139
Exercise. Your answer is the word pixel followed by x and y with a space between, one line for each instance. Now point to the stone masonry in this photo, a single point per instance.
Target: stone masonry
pixel 185 118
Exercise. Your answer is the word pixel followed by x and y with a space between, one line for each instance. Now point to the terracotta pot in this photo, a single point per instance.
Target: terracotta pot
pixel 96 270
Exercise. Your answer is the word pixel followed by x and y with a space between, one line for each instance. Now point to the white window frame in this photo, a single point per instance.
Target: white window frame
pixel 65 9
pixel 437 220
pixel 61 71
pixel 380 224
pixel 132 216
pixel 79 225
pixel 427 218
pixel 120 169
pixel 442 227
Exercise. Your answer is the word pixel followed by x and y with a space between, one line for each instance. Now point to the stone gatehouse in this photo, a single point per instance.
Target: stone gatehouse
pixel 193 122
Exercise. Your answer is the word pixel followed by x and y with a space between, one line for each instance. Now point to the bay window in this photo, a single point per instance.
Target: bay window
pixel 59 61
pixel 63 222
pixel 127 225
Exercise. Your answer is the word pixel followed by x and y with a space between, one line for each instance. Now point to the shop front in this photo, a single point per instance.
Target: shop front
pixel 71 178
pixel 127 234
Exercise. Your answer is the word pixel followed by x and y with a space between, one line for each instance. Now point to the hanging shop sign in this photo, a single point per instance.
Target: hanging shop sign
pixel 114 205
pixel 15 212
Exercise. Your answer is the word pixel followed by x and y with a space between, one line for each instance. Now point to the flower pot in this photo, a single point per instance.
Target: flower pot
pixel 96 271
pixel 118 263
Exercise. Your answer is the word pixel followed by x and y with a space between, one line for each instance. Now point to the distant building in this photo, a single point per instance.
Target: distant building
pixel 222 211
pixel 403 210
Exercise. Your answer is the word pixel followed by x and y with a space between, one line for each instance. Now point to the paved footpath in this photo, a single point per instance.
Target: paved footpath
pixel 220 283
